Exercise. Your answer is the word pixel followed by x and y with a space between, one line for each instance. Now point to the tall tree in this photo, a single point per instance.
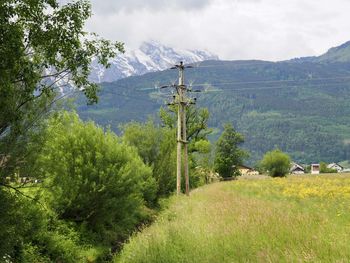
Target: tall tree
pixel 196 122
pixel 43 48
pixel 228 155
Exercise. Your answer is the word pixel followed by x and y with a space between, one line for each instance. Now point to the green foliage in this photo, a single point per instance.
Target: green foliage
pixel 157 145
pixel 202 146
pixel 325 169
pixel 308 169
pixel 199 147
pixel 276 163
pixel 31 233
pixel 43 47
pixel 228 155
pixel 157 148
pixel 336 54
pixel 93 179
pixel 95 190
pixel 196 123
pixel 13 216
pixel 204 155
pixel 282 105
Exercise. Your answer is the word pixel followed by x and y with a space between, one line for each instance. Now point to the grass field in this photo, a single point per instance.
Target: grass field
pixel 294 219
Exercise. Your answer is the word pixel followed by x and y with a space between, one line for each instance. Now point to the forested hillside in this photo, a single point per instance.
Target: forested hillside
pixel 301 106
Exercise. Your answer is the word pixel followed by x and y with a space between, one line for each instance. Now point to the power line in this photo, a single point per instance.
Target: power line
pixel 235 63
pixel 268 87
pixel 124 95
pixel 256 82
pixel 268 81
pixel 267 63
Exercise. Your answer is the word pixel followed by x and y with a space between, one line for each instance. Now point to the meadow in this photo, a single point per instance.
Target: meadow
pixel 253 219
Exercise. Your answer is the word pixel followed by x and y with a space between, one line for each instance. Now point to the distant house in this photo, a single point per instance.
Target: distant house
pixel 246 170
pixel 315 168
pixel 335 166
pixel 297 169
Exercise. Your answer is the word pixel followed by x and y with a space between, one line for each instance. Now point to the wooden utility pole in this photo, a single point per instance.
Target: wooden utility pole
pixel 182 102
pixel 181 130
pixel 184 134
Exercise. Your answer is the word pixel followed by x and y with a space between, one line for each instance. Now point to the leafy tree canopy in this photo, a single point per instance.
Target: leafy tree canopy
pixel 228 155
pixel 43 48
pixel 196 122
pixel 276 163
pixel 90 177
pixel 157 148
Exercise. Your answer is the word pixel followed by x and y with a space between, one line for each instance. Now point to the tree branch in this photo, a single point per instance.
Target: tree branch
pixel 23 194
pixel 45 87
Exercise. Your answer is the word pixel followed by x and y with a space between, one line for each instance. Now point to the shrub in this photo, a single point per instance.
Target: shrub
pixel 325 169
pixel 157 148
pixel 276 163
pixel 92 178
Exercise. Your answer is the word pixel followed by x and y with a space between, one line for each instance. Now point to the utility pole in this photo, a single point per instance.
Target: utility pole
pixel 181 130
pixel 182 101
pixel 185 143
pixel 180 112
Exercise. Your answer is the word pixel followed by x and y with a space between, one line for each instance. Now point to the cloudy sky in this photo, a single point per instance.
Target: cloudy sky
pixel 232 29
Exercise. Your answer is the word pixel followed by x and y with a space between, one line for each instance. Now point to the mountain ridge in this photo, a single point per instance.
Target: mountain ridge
pixel 336 54
pixel 302 108
pixel 149 57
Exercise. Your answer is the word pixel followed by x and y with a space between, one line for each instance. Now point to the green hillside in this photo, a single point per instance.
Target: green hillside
pixel 294 219
pixel 299 106
pixel 337 54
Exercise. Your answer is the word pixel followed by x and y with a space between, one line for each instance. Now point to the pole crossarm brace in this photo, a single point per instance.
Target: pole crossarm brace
pixel 182 141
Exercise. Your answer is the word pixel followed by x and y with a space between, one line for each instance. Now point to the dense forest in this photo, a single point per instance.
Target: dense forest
pixel 301 106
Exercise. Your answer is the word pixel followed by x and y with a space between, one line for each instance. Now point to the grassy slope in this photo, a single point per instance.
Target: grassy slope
pixel 297 219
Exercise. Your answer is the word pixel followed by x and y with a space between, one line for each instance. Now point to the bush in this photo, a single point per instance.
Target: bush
pixel 93 179
pixel 325 169
pixel 30 233
pixel 276 163
pixel 157 148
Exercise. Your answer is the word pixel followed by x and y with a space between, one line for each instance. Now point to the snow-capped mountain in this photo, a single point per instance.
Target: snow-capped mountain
pixel 151 56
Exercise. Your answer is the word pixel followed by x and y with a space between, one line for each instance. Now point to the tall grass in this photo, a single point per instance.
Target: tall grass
pixel 257 220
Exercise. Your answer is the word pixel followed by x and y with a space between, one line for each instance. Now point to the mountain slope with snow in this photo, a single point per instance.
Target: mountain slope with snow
pixel 300 106
pixel 150 57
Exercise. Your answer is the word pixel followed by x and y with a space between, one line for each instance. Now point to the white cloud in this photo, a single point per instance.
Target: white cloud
pixel 129 6
pixel 233 29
